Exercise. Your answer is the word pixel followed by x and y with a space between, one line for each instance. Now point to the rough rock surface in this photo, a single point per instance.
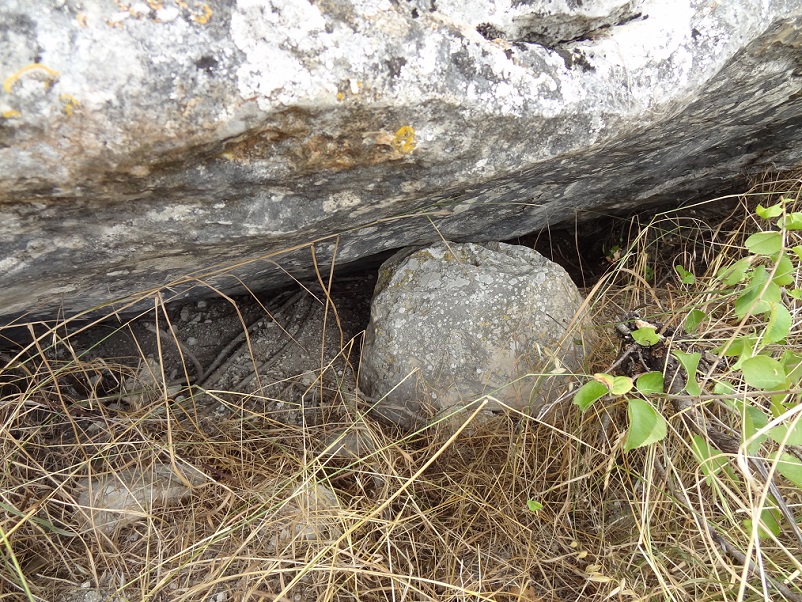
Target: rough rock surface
pixel 110 502
pixel 144 142
pixel 453 322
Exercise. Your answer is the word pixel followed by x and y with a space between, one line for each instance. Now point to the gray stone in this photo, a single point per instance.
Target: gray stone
pixel 225 143
pixel 89 594
pixel 452 323
pixel 111 501
pixel 310 514
pixel 350 443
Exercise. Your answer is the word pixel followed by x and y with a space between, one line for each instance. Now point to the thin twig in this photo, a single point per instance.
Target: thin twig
pixel 719 538
pixel 687 407
pixel 230 352
pixel 172 336
pixel 276 355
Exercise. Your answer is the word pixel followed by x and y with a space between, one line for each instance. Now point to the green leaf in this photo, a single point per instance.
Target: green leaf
pixel 533 505
pixel 797 250
pixel 758 277
pixel 754 420
pixel 723 387
pixel 685 276
pixel 711 461
pixel 792 221
pixel 796 293
pixel 749 303
pixel 588 393
pixel 693 319
pixel 787 434
pixel 743 347
pixel 770 292
pixel 689 361
pixel 790 467
pixel 764 372
pixel 756 297
pixel 784 274
pixel 779 324
pixel 736 273
pixel 646 336
pixel 617 385
pixel 777 405
pixel 621 385
pixel 764 243
pixel 768 524
pixel 739 346
pixel 792 364
pixel 769 212
pixel 646 424
pixel 651 382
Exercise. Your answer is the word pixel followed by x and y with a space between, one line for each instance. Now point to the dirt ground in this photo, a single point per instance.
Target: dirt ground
pixel 286 352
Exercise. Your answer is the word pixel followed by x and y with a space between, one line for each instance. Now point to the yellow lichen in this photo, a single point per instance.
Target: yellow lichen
pixel 37 70
pixel 404 140
pixel 204 18
pixel 70 103
pixel 11 114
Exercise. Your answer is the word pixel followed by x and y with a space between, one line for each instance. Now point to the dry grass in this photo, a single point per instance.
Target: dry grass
pixel 420 517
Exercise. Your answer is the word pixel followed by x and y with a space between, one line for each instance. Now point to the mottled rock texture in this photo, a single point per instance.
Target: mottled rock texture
pixel 146 143
pixel 109 502
pixel 451 323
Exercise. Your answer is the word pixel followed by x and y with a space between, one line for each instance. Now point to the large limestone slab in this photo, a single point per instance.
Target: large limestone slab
pixel 144 141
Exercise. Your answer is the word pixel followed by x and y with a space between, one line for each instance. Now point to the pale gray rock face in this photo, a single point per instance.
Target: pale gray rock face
pixel 452 323
pixel 142 142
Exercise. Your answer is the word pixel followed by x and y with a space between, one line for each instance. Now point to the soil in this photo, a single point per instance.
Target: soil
pixel 285 352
